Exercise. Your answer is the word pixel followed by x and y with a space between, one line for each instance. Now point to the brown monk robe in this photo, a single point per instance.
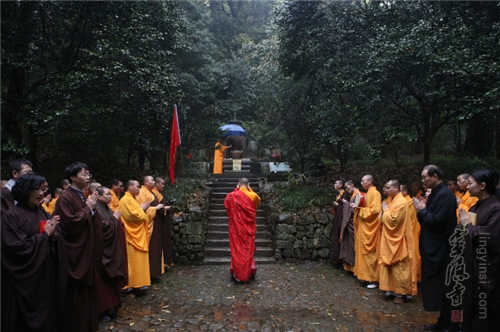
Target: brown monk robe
pixel 113 275
pixel 34 264
pixel 81 229
pixel 156 267
pixel 367 234
pixel 168 252
pixel 337 221
pixel 347 253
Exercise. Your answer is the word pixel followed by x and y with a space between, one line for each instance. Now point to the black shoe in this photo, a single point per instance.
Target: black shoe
pixel 434 327
pixel 104 318
pixel 155 280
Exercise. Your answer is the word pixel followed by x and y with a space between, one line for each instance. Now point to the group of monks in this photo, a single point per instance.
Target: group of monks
pixel 103 245
pixel 379 241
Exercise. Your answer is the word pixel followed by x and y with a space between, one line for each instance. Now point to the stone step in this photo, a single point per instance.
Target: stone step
pixel 220 212
pixel 226 260
pixel 224 235
pixel 223 228
pixel 224 219
pixel 236 175
pixel 221 195
pixel 224 242
pixel 225 252
pixel 227 188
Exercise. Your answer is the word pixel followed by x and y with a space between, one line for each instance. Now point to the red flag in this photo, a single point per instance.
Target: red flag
pixel 175 141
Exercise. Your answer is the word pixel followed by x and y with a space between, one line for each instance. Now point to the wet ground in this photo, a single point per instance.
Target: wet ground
pixel 283 297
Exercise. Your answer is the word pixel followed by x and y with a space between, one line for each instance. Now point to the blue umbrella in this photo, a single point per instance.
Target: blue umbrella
pixel 233 130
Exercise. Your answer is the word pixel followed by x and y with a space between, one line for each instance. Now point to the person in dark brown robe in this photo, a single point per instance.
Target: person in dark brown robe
pixel 34 263
pixel 168 252
pixel 18 168
pixel 81 228
pixel 480 272
pixel 347 254
pixel 113 275
pixel 337 222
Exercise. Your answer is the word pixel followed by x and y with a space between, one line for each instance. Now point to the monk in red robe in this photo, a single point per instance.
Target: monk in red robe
pixel 241 206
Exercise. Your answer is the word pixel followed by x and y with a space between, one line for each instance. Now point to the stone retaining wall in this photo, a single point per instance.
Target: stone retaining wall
pixel 301 237
pixel 188 231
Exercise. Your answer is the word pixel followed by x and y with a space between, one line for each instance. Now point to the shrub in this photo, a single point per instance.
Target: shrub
pixel 295 197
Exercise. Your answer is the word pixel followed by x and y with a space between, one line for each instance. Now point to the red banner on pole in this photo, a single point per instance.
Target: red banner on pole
pixel 175 141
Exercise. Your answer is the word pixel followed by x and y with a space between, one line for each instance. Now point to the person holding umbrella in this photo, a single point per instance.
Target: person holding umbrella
pixel 219 156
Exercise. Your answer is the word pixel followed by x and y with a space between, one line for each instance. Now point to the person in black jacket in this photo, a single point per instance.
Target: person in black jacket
pixel 437 218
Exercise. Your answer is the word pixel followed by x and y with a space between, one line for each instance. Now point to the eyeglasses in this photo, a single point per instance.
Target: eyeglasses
pixel 87 175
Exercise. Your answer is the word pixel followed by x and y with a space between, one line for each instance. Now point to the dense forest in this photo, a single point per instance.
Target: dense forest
pixel 337 80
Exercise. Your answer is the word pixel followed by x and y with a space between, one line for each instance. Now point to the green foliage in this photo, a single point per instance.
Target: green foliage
pixel 295 197
pixel 183 192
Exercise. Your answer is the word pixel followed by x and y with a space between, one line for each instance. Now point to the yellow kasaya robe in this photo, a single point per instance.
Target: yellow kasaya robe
pixel 415 226
pixel 50 207
pixel 252 195
pixel 219 157
pixel 368 237
pixel 145 195
pixel 348 267
pixel 396 252
pixel 136 233
pixel 468 201
pixel 115 201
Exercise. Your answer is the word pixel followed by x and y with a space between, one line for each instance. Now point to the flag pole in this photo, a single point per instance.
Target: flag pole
pixel 182 162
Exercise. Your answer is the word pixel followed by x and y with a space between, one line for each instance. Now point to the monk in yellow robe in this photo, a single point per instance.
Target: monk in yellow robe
pixel 397 275
pixel 116 191
pixel 367 236
pixel 136 233
pixel 464 199
pixel 415 225
pixel 219 156
pixel 155 235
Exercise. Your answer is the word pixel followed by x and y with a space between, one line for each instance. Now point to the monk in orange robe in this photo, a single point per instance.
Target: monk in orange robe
pixel 136 233
pixel 367 236
pixel 415 225
pixel 464 199
pixel 397 275
pixel 155 235
pixel 219 156
pixel 241 206
pixel 116 191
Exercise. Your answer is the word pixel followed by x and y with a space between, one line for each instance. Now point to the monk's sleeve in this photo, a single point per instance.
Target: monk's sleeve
pixel 441 212
pixel 491 227
pixel 48 208
pixel 374 207
pixel 66 206
pixel 131 212
pixel 28 250
pixel 395 215
pixel 143 197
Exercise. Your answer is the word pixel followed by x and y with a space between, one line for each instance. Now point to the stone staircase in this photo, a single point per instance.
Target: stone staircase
pixel 217 238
